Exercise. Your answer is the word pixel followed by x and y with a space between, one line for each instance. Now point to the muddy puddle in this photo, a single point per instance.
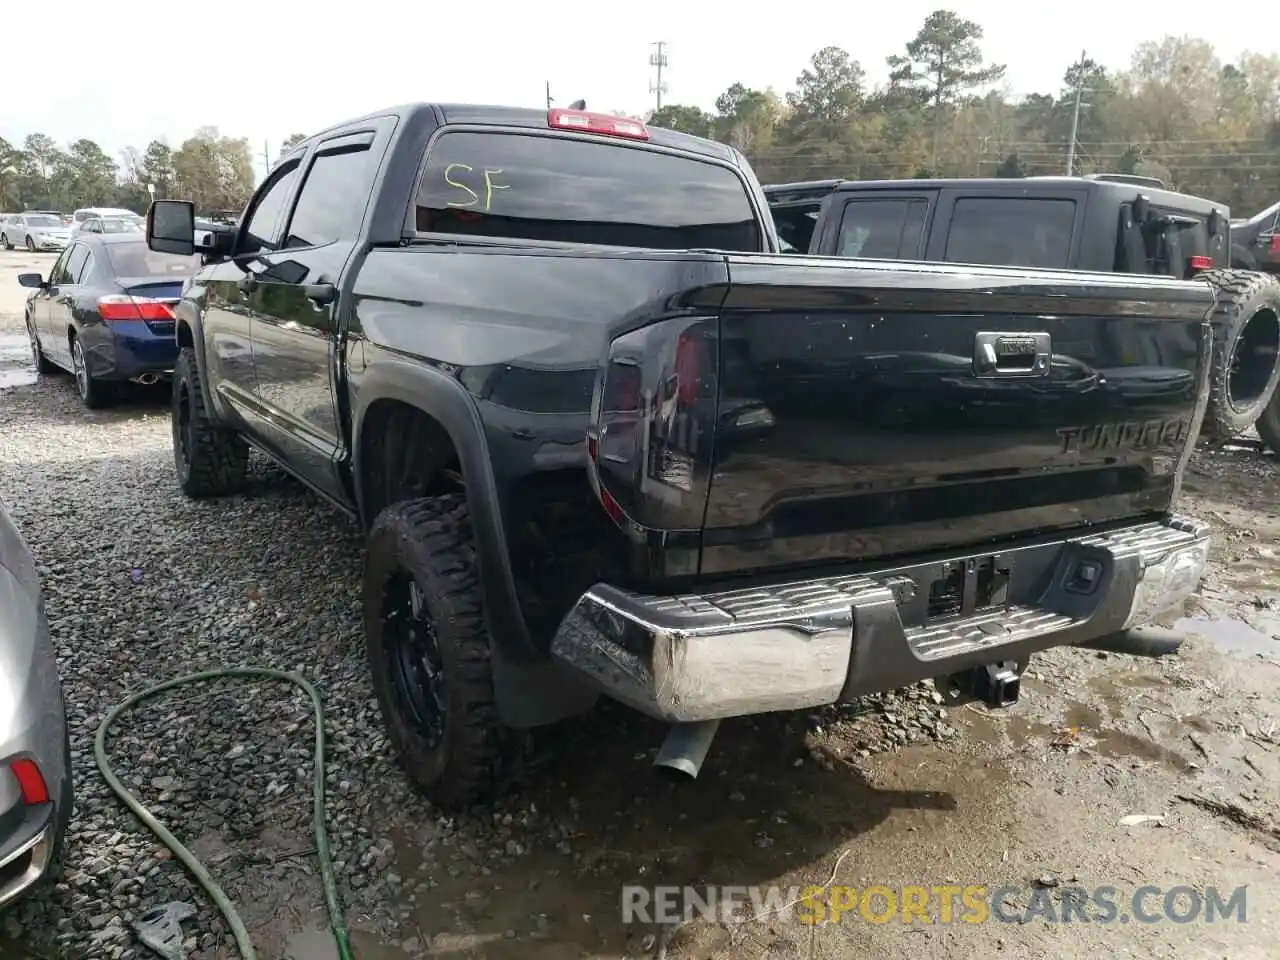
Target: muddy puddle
pixel 318 944
pixel 16 369
pixel 1236 636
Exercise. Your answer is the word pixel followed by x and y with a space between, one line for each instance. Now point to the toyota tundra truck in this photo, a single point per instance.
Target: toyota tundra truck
pixel 605 438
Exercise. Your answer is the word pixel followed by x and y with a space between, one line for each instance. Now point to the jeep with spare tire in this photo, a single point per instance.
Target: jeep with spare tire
pixel 1112 223
pixel 605 439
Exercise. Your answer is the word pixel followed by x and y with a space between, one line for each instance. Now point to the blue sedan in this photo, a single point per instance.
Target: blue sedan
pixel 105 313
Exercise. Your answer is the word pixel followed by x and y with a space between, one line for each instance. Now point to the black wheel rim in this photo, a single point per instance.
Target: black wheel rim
pixel 413 655
pixel 82 373
pixel 182 427
pixel 1253 359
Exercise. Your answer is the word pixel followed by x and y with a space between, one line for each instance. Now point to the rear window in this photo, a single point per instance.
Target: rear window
pixel 43 222
pixel 137 260
pixel 1014 232
pixel 579 191
pixel 882 229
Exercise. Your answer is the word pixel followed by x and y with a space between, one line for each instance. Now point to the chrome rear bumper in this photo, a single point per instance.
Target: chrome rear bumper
pixel 805 643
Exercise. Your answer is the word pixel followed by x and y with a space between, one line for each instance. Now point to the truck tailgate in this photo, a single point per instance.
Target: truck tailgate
pixel 867 410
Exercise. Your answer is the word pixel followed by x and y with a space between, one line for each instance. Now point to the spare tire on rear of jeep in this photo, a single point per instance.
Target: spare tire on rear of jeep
pixel 1245 367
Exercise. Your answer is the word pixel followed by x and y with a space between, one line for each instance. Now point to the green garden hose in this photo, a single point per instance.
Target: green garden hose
pixel 194 866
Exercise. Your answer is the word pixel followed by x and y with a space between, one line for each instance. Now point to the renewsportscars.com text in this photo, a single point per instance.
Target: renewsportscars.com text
pixel 974 903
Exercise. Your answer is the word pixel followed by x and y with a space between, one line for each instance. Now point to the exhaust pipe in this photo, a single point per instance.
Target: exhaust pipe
pixel 147 379
pixel 1146 641
pixel 685 748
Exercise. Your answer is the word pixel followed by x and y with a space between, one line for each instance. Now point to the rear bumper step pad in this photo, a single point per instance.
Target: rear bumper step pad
pixel 805 643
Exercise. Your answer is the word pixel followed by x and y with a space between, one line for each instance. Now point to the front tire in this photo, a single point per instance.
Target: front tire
pixel 31 245
pixel 430 654
pixel 1269 424
pixel 1245 367
pixel 94 393
pixel 44 365
pixel 210 460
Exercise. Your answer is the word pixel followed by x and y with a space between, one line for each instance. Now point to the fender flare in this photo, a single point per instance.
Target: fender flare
pixel 188 316
pixel 445 400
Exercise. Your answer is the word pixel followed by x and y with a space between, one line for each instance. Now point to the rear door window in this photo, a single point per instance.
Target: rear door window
pixel 529 187
pixel 882 229
pixel 1011 231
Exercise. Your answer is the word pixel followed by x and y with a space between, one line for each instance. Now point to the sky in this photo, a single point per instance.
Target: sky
pixel 129 71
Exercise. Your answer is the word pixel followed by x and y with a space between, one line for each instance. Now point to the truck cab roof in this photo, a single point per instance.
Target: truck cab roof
pixel 534 118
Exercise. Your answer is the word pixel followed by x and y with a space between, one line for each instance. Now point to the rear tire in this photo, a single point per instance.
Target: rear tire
pixel 1245 367
pixel 4 242
pixel 1269 424
pixel 210 460
pixel 430 655
pixel 94 393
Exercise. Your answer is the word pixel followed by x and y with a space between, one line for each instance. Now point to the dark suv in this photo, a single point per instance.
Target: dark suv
pixel 1108 223
pixel 1255 242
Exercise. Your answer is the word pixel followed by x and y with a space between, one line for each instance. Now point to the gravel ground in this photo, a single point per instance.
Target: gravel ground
pixel 144 585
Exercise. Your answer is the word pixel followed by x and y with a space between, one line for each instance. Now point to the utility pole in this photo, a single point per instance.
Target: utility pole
pixel 549 100
pixel 658 59
pixel 1075 118
pixel 266 157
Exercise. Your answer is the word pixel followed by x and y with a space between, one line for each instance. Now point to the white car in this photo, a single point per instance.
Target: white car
pixel 35 231
pixel 79 217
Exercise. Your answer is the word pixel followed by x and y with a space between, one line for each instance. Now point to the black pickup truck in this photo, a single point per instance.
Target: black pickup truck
pixel 605 437
pixel 1106 222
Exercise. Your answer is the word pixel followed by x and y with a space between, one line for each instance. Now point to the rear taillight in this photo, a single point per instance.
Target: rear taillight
pixel 1196 264
pixel 30 782
pixel 120 306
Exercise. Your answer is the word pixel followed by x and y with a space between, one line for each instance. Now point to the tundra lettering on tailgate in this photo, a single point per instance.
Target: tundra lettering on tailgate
pixel 1130 435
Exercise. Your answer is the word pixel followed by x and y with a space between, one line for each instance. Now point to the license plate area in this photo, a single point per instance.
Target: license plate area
pixel 968 586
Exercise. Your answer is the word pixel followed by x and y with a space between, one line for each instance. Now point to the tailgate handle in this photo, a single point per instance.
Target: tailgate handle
pixel 1011 354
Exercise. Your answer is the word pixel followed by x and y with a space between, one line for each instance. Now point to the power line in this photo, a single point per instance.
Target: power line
pixel 658 59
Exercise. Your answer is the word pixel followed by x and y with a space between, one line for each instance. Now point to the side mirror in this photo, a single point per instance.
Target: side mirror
pixel 1141 208
pixel 171 227
pixel 32 280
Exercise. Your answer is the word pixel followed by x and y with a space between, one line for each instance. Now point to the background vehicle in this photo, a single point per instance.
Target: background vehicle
pixel 105 313
pixel 1104 223
pixel 35 231
pixel 605 439
pixel 1255 241
pixel 87 213
pixel 112 225
pixel 35 756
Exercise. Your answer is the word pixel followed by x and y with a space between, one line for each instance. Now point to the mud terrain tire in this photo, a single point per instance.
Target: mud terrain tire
pixel 423 605
pixel 210 461
pixel 1245 367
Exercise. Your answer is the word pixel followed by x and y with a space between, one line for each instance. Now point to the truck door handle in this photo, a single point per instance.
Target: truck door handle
pixel 247 284
pixel 321 294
